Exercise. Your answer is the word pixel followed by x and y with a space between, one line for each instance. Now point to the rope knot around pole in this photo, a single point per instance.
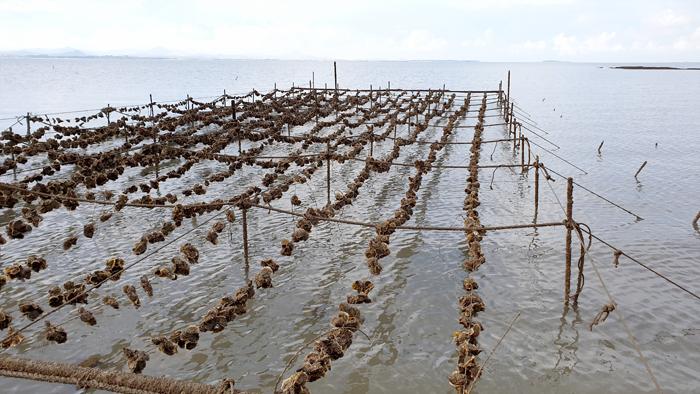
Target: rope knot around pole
pixel 605 310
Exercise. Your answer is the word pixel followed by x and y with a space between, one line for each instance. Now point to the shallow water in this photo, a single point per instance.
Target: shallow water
pixel 549 349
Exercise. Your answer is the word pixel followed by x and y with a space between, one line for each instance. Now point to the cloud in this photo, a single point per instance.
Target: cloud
pixel 572 46
pixel 666 19
pixel 529 46
pixel 479 42
pixel 688 43
pixel 422 40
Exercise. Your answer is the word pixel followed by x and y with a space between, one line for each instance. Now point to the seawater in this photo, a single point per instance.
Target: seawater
pixel 642 115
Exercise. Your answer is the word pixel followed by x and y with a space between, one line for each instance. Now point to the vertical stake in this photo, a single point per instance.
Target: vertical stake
pixel 108 122
pixel 537 184
pixel 569 227
pixel 508 96
pixel 335 75
pixel 500 92
pixel 28 127
pixel 328 171
pixel 370 97
pixel 522 152
pixel 371 144
pixel 245 238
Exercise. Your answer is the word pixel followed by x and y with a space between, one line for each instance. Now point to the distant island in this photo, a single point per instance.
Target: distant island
pixel 651 68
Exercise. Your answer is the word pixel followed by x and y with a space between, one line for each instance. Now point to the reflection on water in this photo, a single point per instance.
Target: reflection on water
pixel 415 309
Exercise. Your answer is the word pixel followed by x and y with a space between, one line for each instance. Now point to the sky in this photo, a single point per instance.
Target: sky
pixel 498 30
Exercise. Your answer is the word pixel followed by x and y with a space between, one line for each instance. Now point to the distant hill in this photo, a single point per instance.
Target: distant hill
pixel 40 52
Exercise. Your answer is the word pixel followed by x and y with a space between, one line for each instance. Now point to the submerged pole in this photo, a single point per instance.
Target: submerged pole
pixel 245 237
pixel 328 172
pixel 537 185
pixel 569 227
pixel 522 151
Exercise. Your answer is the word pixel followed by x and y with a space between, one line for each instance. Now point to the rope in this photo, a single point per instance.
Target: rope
pixel 88 290
pixel 560 158
pixel 109 380
pixel 599 196
pixel 269 208
pixel 617 310
pixel 621 253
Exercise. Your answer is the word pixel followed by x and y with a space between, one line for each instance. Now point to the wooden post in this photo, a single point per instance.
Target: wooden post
pixel 537 184
pixel 640 169
pixel 371 144
pixel 245 238
pixel 328 172
pixel 500 92
pixel 275 90
pixel 522 151
pixel 569 227
pixel 370 97
pixel 28 126
pixel 508 96
pixel 695 221
pixel 335 76
pixel 108 122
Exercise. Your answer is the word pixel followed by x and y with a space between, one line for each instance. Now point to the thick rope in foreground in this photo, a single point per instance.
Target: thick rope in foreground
pixel 115 381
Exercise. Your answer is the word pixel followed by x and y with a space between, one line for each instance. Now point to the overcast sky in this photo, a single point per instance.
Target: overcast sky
pixel 499 30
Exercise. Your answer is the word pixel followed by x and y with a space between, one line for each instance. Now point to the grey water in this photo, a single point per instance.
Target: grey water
pixel 642 115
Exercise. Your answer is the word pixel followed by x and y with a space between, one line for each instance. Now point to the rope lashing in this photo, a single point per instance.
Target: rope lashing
pixel 605 310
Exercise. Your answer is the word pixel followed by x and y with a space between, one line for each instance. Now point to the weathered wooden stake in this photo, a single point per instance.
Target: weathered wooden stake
pixel 500 92
pixel 569 227
pixel 335 76
pixel 537 184
pixel 522 151
pixel 245 237
pixel 370 97
pixel 508 98
pixel 108 122
pixel 601 145
pixel 328 172
pixel 371 144
pixel 640 169
pixel 695 221
pixel 28 126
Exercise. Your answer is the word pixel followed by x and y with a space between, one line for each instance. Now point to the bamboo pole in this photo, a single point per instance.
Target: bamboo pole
pixel 569 227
